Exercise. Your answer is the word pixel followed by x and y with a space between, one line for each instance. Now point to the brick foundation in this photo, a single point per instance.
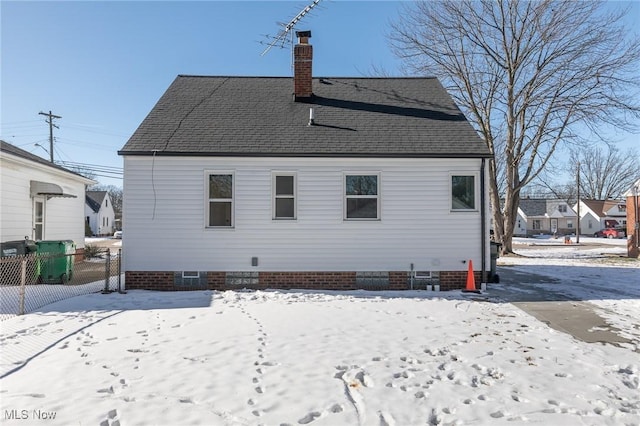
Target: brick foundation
pixel 398 280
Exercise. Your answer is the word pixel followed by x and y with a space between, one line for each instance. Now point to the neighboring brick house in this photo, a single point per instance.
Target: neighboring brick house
pixel 324 183
pixel 99 213
pixel 545 216
pixel 599 214
pixel 633 220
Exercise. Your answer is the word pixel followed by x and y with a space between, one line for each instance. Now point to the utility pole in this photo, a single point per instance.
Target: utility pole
pixel 578 227
pixel 51 126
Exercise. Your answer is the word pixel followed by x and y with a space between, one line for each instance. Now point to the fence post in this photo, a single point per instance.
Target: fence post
pixel 120 272
pixel 107 270
pixel 23 281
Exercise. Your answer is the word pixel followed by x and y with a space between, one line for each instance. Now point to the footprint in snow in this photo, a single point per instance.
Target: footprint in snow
pixel 112 419
pixel 310 417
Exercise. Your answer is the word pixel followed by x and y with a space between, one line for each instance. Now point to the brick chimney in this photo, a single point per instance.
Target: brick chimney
pixel 302 60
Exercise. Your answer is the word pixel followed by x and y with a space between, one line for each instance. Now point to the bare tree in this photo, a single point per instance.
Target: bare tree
pixel 528 75
pixel 606 173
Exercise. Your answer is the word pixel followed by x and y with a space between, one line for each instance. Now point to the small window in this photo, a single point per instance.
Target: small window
pixel 362 197
pixel 562 208
pixel 463 192
pixel 569 223
pixel 220 200
pixel 284 196
pixel 590 224
pixel 537 224
pixel 106 203
pixel 190 274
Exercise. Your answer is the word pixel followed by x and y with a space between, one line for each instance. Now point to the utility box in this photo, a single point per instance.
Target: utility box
pixel 56 261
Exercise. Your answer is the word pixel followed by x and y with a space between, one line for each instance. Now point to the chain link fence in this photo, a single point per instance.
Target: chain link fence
pixel 31 281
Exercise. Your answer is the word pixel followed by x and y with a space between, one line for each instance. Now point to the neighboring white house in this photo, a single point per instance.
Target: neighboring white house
pixel 39 200
pixel 545 216
pixel 599 214
pixel 99 213
pixel 271 182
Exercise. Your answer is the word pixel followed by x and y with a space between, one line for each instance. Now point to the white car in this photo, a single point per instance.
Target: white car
pixel 117 234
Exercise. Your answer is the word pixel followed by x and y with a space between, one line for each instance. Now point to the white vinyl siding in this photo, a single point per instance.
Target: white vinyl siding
pixel 164 231
pixel 63 218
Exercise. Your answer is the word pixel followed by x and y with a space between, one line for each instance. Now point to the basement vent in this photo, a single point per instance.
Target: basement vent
pixel 372 280
pixel 190 279
pixel 423 279
pixel 241 279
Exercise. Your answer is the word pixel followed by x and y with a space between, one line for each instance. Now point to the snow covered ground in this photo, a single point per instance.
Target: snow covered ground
pixel 331 358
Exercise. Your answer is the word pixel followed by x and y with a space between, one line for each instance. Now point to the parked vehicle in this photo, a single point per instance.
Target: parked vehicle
pixel 117 234
pixel 609 233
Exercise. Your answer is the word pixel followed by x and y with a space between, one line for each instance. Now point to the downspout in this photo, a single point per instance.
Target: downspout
pixel 483 227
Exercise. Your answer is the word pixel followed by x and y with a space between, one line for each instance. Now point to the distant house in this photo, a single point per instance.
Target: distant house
pixel 545 216
pixel 99 213
pixel 599 214
pixel 39 200
pixel 272 182
pixel 633 219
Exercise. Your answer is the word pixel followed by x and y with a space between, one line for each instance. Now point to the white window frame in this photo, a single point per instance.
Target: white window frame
pixel 35 222
pixel 562 208
pixel 476 190
pixel 208 201
pixel 378 196
pixel 275 196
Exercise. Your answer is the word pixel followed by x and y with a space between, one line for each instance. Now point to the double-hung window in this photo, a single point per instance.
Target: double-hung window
pixel 463 192
pixel 220 200
pixel 284 196
pixel 362 197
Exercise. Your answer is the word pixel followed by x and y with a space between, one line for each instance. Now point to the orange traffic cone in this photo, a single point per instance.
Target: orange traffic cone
pixel 471 280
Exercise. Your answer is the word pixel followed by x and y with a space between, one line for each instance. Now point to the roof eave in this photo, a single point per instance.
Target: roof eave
pixel 305 154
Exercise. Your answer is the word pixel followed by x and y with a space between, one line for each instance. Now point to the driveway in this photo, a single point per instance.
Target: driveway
pixel 559 311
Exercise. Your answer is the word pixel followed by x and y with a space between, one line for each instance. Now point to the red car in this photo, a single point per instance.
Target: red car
pixel 609 233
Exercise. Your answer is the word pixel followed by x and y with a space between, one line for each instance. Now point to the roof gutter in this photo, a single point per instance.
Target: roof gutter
pixel 304 155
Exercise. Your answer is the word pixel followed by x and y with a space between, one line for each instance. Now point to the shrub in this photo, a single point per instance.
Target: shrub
pixel 91 251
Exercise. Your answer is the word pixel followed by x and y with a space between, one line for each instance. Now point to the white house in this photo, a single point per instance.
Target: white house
pixel 599 214
pixel 545 216
pixel 39 200
pixel 271 182
pixel 99 213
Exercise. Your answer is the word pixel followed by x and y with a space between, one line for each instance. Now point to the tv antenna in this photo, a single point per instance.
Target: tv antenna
pixel 280 39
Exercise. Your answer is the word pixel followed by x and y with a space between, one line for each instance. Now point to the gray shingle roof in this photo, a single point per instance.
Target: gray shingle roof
pixel 257 116
pixel 19 152
pixel 94 199
pixel 533 207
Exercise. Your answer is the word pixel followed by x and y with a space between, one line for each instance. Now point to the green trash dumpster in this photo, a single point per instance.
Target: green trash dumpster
pixel 56 261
